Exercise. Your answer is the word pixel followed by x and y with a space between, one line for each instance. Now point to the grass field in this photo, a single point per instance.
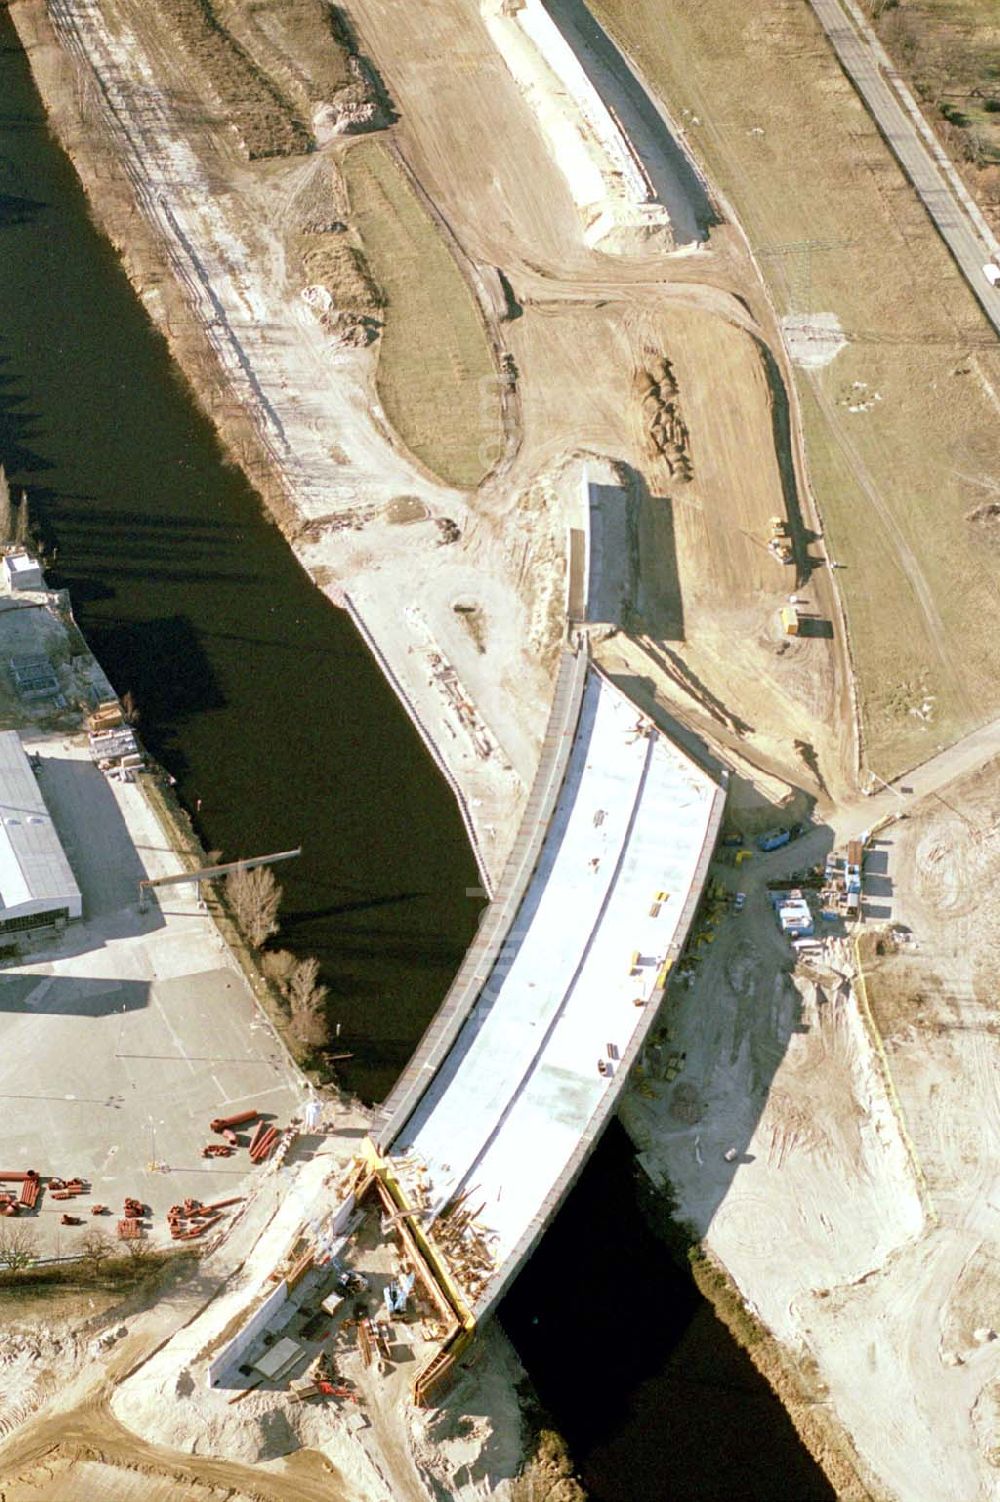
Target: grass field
pixel 838 229
pixel 436 378
pixel 306 28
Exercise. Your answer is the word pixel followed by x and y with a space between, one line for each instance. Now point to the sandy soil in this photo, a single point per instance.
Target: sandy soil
pixel 850 1191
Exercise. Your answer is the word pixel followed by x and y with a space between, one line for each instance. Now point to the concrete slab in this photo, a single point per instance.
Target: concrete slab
pixel 521 1090
pixel 121 1040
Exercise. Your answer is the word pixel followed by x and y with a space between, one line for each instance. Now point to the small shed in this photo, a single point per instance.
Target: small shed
pixel 789 620
pixel 21 571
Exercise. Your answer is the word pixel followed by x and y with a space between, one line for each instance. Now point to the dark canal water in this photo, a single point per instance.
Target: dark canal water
pixel 264 704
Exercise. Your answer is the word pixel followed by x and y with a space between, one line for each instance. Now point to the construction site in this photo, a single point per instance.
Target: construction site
pixel 570 419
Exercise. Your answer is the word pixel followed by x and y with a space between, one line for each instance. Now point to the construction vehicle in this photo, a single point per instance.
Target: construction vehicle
pixel 773 839
pixel 780 542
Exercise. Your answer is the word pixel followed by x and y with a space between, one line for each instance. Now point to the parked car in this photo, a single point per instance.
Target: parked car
pixel 773 839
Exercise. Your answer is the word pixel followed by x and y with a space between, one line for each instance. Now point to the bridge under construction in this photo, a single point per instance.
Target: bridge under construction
pixel 513 1082
pixel 517 1075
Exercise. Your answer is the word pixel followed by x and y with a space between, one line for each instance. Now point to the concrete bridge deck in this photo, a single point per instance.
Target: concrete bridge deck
pixel 504 1098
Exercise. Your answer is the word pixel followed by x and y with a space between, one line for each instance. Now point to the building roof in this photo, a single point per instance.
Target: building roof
pixel 22 563
pixel 33 866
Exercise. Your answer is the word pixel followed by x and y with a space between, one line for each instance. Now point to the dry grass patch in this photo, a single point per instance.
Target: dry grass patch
pixel 264 123
pixel 307 31
pixel 903 992
pixel 841 231
pixel 436 377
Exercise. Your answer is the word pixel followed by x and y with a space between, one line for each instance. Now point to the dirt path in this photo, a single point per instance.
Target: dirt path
pixel 90 1431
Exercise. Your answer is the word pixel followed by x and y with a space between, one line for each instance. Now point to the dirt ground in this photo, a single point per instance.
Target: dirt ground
pixel 850 1188
pixel 585 328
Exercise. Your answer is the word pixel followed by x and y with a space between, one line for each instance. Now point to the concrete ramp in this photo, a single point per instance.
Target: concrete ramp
pixel 607 178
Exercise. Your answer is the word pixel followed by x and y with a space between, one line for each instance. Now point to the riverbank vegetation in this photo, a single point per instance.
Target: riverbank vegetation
pixel 117 1272
pixel 287 989
pixel 436 377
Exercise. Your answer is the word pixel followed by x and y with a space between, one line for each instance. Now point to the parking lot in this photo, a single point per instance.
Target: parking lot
pixel 123 1037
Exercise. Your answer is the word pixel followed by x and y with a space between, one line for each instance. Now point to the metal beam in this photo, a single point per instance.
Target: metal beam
pixel 208 873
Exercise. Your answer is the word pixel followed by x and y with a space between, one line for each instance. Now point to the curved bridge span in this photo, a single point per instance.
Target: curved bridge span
pixel 517 1075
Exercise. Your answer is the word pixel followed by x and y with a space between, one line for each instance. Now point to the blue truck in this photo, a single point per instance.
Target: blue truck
pixel 773 839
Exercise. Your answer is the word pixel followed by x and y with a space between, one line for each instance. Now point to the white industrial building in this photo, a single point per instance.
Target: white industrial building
pixel 37 887
pixel 21 571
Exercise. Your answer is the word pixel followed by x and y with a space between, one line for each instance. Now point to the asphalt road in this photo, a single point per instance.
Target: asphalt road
pixel 860 63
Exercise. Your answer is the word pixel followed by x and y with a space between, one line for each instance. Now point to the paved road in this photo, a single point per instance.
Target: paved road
pixel 860 62
pixel 852 818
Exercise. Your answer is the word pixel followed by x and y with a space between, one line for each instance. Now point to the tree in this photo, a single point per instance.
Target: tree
pixel 138 1250
pixel 6 519
pixel 255 897
pixel 17 1245
pixel 130 709
pixel 96 1246
pixel 307 999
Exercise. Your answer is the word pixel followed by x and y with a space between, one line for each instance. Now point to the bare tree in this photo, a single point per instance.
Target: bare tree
pixel 138 1249
pixel 278 965
pixel 96 1246
pixel 255 897
pixel 307 999
pixel 17 1246
pixel 6 519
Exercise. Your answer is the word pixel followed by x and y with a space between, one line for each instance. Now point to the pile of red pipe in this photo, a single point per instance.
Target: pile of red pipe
pixel 241 1118
pixel 262 1142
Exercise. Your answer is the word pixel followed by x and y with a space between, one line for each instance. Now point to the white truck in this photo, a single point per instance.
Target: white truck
pixel 992 273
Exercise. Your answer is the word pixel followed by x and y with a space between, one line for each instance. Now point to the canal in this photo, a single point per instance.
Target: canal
pixel 261 700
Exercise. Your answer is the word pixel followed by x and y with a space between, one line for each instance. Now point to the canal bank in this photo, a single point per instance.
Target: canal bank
pixel 261 700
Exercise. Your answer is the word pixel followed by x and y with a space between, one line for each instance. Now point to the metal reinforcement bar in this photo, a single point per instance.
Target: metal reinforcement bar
pixel 498 1284
pixel 496 921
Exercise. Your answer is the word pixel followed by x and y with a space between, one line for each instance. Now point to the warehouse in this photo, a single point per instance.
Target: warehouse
pixel 36 884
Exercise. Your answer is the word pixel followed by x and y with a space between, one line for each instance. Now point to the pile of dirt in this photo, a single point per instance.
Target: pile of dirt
pixel 307 49
pixel 265 125
pixel 666 429
pixel 339 287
